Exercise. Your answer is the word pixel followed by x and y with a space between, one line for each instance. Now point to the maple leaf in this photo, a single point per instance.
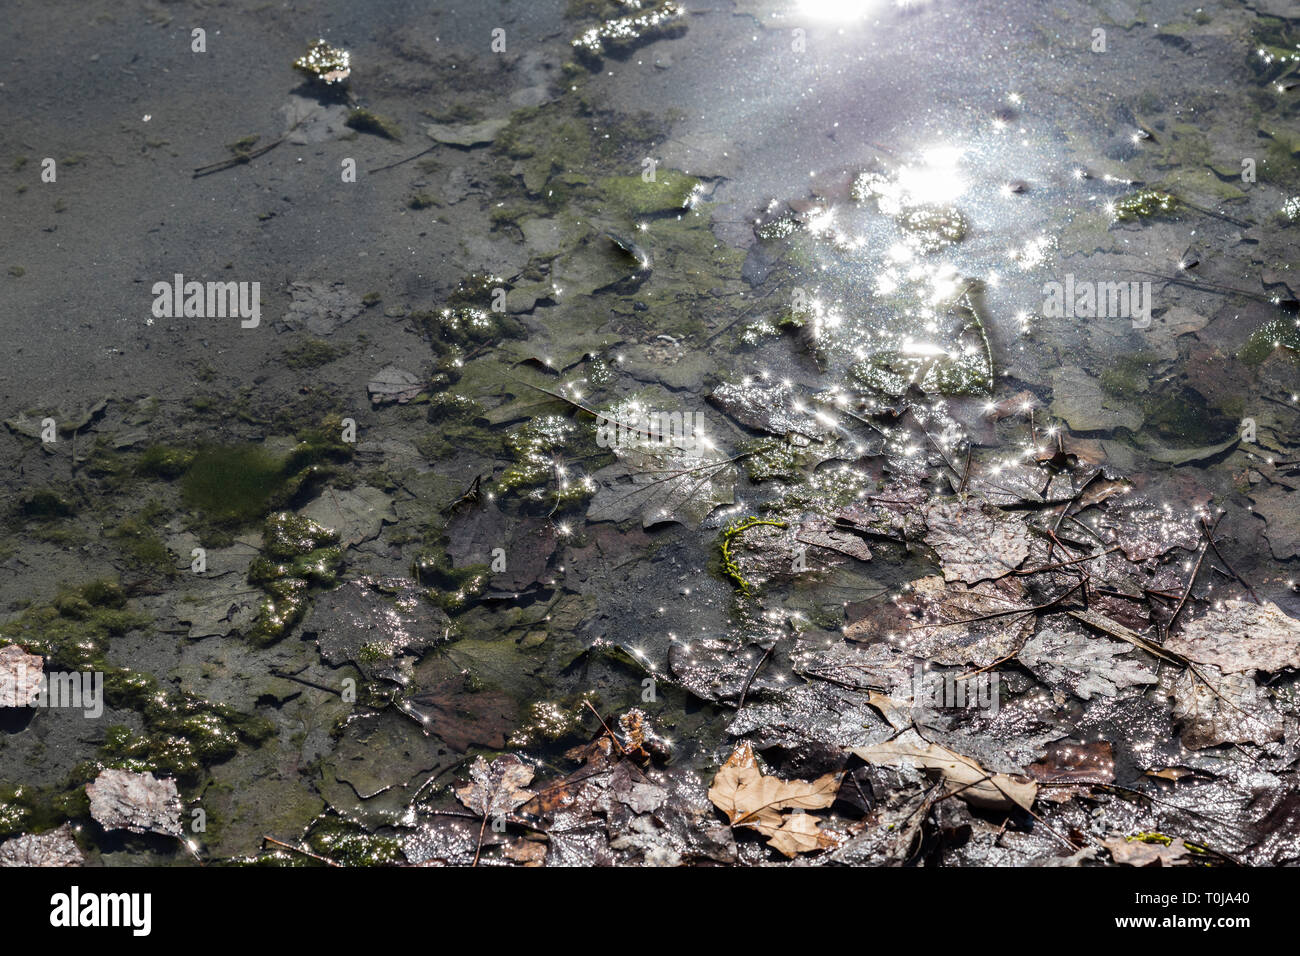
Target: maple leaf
pixel 750 798
pixel 497 788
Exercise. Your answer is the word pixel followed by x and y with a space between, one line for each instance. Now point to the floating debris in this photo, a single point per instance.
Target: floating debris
pixel 325 64
pixel 1143 205
pixel 623 34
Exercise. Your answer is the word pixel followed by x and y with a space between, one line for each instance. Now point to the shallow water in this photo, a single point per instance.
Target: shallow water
pixel 856 207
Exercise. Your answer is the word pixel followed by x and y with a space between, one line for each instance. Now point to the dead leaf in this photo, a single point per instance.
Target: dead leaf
pixel 1240 637
pixel 752 799
pixel 55 848
pixel 393 384
pixel 969 780
pixel 20 676
pixel 975 540
pixel 498 788
pixel 139 802
pixel 662 483
pixel 1137 852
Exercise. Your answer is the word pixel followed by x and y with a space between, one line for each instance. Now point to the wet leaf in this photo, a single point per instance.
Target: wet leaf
pixel 966 778
pixel 20 676
pixel 320 307
pixel 776 409
pixel 355 514
pixel 1221 708
pixel 1083 665
pixel 393 384
pixel 750 798
pixel 953 624
pixel 379 625
pixel 1139 852
pixel 497 788
pixel 1240 637
pixel 662 483
pixel 54 848
pixel 139 802
pixel 976 541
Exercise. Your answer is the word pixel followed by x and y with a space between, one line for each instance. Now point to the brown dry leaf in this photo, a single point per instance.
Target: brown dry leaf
pixel 1140 853
pixel 798 833
pixel 498 788
pixel 527 852
pixel 969 780
pixel 750 798
pixel 1240 637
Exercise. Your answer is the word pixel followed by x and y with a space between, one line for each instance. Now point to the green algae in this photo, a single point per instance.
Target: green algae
pixel 364 121
pixel 727 541
pixel 452 589
pixel 619 35
pixel 141 542
pixel 1144 204
pixel 552 720
pixel 233 483
pixel 297 555
pixel 44 504
pixel 181 733
pixel 350 844
pixel 164 461
pixel 1130 374
pixel 312 354
pixel 451 330
pixel 456 427
pixel 538 472
pixel 1280 333
pixel 669 192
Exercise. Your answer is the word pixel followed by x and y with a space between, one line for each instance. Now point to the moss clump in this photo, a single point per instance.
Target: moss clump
pixel 1279 333
pixel 452 589
pixel 364 121
pixel 1143 205
pixel 44 505
pixel 73 631
pixel 233 483
pixel 458 428
pixel 537 470
pixel 311 353
pixel 767 460
pixel 297 554
pixel 183 733
pixel 421 201
pixel 347 843
pixel 451 329
pixel 670 192
pixel 141 542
